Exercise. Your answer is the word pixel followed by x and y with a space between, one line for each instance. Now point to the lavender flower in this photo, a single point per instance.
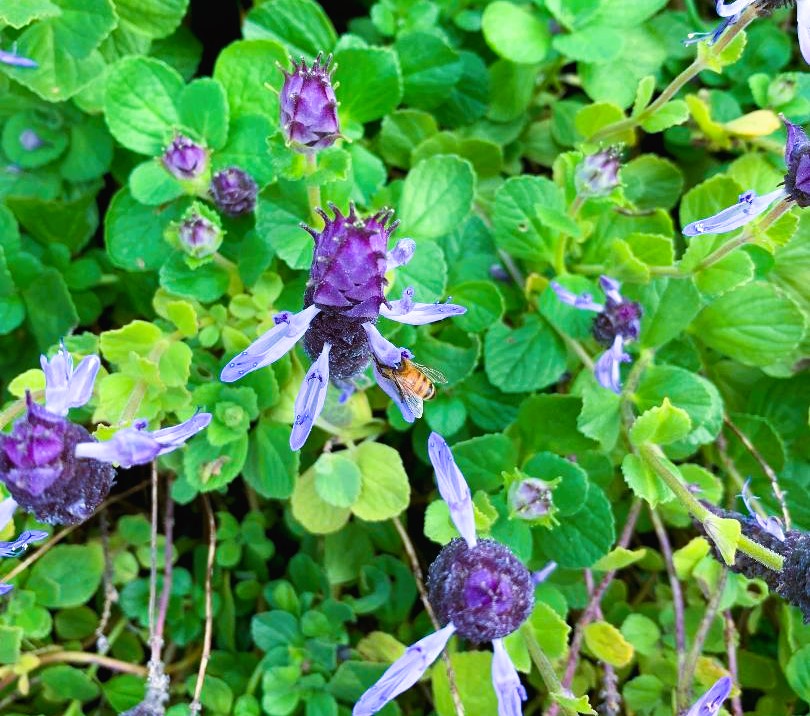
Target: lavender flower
pixel 30 140
pixel 54 468
pixel 617 323
pixel 709 704
pixel 234 191
pixel 750 205
pixel 342 302
pixel 309 106
pixel 598 174
pixel 184 159
pixel 530 498
pixel 479 590
pixel 772 525
pixel 15 60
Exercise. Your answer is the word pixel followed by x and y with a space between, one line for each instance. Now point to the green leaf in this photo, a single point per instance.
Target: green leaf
pixel 69 222
pixel 661 425
pixel 469 99
pixel 140 103
pixel 242 69
pixel 63 683
pixel 591 118
pixel 667 115
pixel 600 418
pixel 139 337
pixel 608 644
pixel 385 491
pixel 22 12
pixel 482 459
pixel 370 83
pixel 315 514
pixel 514 33
pixel 643 692
pixel 644 482
pixel 642 632
pixel 10 643
pixel 67 575
pixel 549 422
pixel 517 225
pixel 401 131
pixel 271 467
pixel 798 672
pixel 337 479
pixel 511 88
pixel 154 18
pixel 725 533
pixel 579 704
pixel 483 302
pixel 151 184
pixel 468 668
pixel 430 68
pixel 90 152
pixel 583 538
pixel 426 272
pixel 203 108
pixel 669 307
pixel 208 467
pixel 594 43
pixel 650 181
pixel 300 25
pixel 50 131
pixel 524 359
pixel 437 196
pixel 204 283
pixel 619 558
pixel 49 307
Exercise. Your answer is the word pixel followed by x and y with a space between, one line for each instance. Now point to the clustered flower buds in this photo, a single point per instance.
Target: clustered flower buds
pixel 234 191
pixel 309 106
pixel 198 233
pixel 185 159
pixel 598 174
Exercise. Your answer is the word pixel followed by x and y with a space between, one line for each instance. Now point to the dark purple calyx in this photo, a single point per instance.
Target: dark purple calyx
pixel 234 191
pixel 797 158
pixel 309 106
pixel 485 591
pixel 185 159
pixel 40 470
pixel 346 282
pixel 793 582
pixel 617 319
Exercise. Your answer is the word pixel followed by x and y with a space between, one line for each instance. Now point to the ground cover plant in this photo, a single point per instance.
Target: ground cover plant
pixel 407 357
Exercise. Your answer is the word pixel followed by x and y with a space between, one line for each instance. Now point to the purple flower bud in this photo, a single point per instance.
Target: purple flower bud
pixel 30 140
pixel 39 467
pixel 485 591
pixel 309 106
pixel 199 233
pixel 185 159
pixel 598 174
pixel 709 704
pixel 619 318
pixel 530 498
pixel 234 191
pixel 797 159
pixel 346 283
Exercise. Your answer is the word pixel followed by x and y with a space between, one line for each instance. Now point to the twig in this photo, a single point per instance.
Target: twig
pixel 612 700
pixel 766 468
pixel 687 674
pixel 674 584
pixel 83 657
pixel 153 557
pixel 423 595
pixel 165 593
pixel 110 592
pixel 593 604
pixel 196 706
pixel 731 647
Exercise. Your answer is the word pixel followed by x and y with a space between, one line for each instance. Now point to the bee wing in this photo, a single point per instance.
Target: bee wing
pixel 432 374
pixel 411 399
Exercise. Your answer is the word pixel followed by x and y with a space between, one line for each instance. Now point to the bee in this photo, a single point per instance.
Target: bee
pixel 414 382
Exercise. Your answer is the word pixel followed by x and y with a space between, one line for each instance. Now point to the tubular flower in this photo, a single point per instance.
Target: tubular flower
pixel 617 323
pixel 342 302
pixel 15 60
pixel 16 547
pixel 479 590
pixel 709 704
pixel 750 205
pixel 598 174
pixel 56 469
pixel 309 106
pixel 733 10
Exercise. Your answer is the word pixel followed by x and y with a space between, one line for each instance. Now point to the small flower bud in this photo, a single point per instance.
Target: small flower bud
pixel 598 174
pixel 199 233
pixel 184 159
pixel 530 498
pixel 30 140
pixel 234 191
pixel 309 106
pixel 797 158
pixel 485 591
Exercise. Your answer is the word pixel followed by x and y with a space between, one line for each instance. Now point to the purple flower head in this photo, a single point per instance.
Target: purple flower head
pixel 234 191
pixel 772 525
pixel 618 322
pixel 598 174
pixel 709 704
pixel 137 446
pixel 797 159
pixel 64 387
pixel 309 106
pixel 479 590
pixel 15 60
pixel 184 159
pixel 16 547
pixel 199 233
pixel 39 467
pixel 342 302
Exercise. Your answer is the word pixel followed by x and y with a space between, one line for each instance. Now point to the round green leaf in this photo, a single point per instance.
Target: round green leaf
pixel 300 25
pixel 483 302
pixel 515 33
pixel 314 513
pixel 337 479
pixel 67 575
pixel 370 83
pixel 385 491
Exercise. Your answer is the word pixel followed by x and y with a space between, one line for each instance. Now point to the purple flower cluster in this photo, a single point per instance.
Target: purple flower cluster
pixel 617 323
pixel 479 590
pixel 750 205
pixel 54 468
pixel 342 302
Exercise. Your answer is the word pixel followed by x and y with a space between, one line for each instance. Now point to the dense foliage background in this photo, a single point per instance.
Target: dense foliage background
pixel 471 120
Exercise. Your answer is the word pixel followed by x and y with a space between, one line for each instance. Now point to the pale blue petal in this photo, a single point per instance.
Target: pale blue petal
pixel 610 287
pixel 384 351
pixel 541 575
pixel 7 509
pixel 453 488
pixel 772 525
pixel 583 301
pixel 5 588
pixel 405 310
pixel 709 704
pixel 128 447
pixel 505 679
pixel 270 346
pixel 803 27
pixel 404 672
pixel 64 387
pixel 733 8
pixel 310 399
pixel 16 547
pixel 749 206
pixel 606 369
pixel 401 254
pixel 177 435
pixel 390 389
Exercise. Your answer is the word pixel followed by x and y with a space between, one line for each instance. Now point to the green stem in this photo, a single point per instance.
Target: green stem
pixel 313 190
pixel 721 252
pixel 652 456
pixel 545 667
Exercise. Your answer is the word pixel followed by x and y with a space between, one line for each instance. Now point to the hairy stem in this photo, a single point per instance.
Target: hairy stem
pixel 674 584
pixel 730 633
pixel 196 706
pixel 545 668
